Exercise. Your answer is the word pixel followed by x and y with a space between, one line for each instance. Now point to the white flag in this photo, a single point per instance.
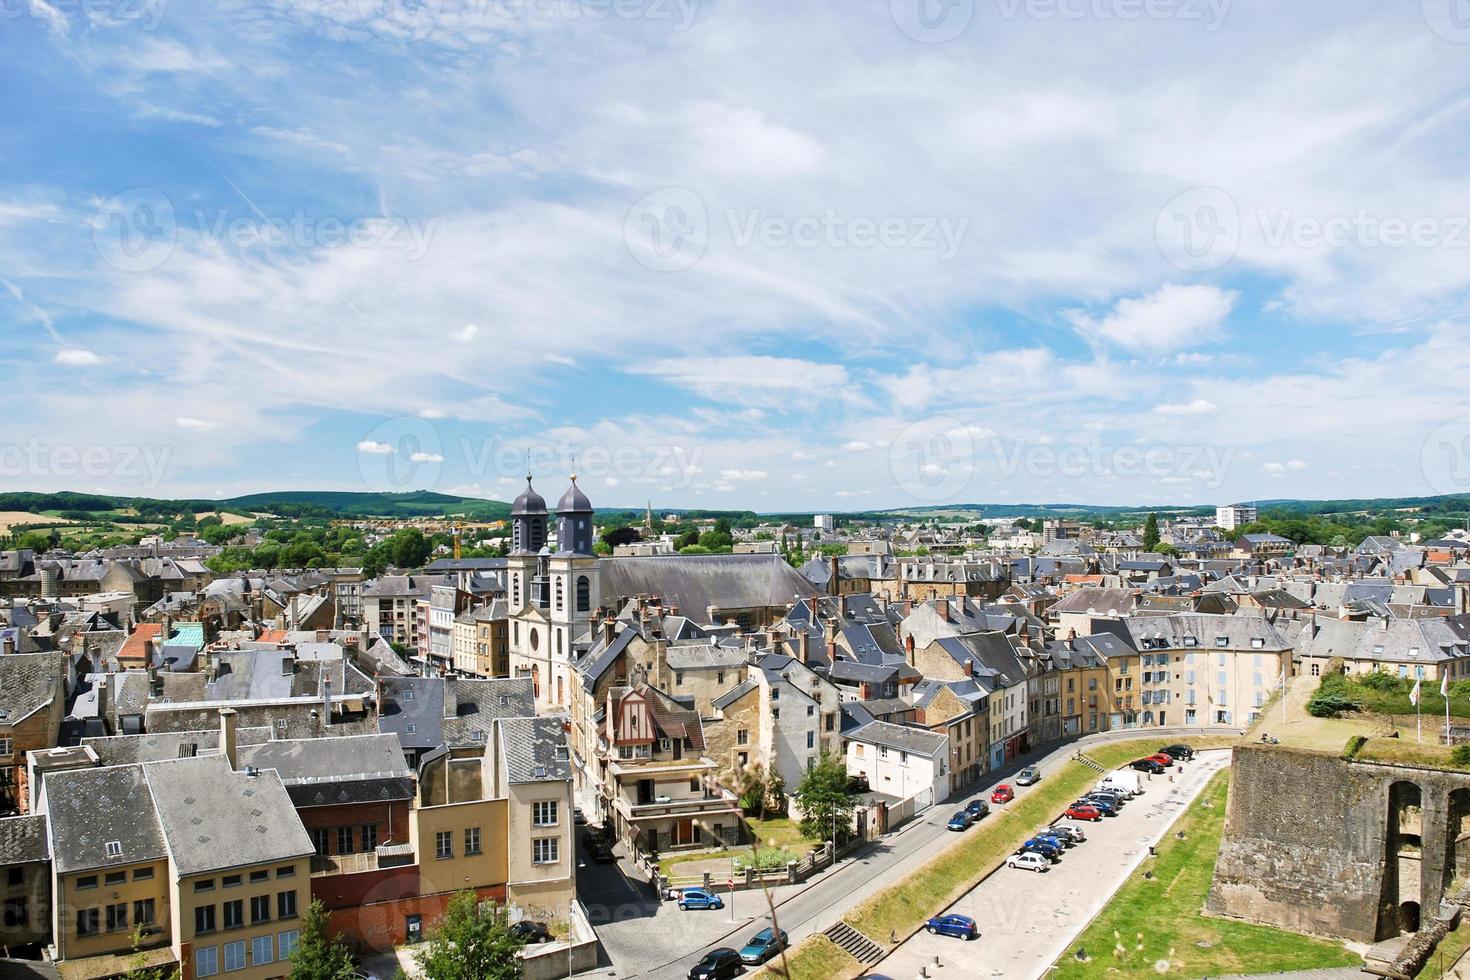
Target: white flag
pixel 1444 684
pixel 1414 694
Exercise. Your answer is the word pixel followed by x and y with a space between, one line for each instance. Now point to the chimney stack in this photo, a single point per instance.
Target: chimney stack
pixel 832 585
pixel 908 647
pixel 9 645
pixel 941 606
pixel 227 722
pixel 326 701
pixel 609 630
pixel 804 647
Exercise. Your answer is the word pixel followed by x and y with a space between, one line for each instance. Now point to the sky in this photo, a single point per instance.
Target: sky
pixel 764 255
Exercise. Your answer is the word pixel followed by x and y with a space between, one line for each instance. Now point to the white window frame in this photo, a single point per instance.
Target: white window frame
pixel 545 813
pixel 206 961
pixel 545 850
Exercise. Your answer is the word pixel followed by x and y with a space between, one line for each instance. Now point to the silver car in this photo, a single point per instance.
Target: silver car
pixel 1028 776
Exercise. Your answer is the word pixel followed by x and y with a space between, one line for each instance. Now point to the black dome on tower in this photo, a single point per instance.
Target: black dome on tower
pixel 574 501
pixel 528 503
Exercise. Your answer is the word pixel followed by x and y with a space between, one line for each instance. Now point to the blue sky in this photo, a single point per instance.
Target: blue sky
pixel 760 255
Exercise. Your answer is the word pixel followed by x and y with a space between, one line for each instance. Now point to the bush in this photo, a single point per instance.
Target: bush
pixel 1379 681
pixel 1460 755
pixel 1333 697
pixel 1354 746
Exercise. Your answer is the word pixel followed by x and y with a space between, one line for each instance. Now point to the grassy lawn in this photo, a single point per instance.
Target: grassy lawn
pixel 1155 926
pixel 1405 749
pixel 774 833
pixel 816 959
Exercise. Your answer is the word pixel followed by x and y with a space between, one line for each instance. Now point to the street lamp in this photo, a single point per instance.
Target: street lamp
pixel 571 918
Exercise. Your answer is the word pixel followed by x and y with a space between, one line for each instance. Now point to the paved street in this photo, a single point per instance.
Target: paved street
pixel 644 938
pixel 1028 920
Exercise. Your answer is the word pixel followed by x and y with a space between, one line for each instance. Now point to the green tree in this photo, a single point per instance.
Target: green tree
pixel 410 548
pixel 474 942
pixel 319 955
pixel 137 964
pixel 1151 532
pixel 1167 550
pixel 822 796
pixel 688 538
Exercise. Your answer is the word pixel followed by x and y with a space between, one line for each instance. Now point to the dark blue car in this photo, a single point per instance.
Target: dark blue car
pixel 1107 807
pixel 1038 846
pixel 978 809
pixel 959 926
pixel 1059 841
pixel 960 821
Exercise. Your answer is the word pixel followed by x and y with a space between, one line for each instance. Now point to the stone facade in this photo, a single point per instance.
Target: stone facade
pixel 1379 843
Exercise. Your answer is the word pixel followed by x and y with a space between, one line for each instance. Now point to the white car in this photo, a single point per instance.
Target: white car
pixel 1077 834
pixel 1028 862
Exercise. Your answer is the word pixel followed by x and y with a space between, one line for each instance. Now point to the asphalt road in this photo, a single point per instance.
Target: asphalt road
pixel 805 910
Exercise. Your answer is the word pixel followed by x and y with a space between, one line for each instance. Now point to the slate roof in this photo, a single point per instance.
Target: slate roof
pixel 335 770
pixel 905 738
pixel 214 818
pixel 735 694
pixel 28 683
pixel 83 806
pixel 704 656
pixel 535 749
pixel 693 583
pixel 23 840
pixel 123 750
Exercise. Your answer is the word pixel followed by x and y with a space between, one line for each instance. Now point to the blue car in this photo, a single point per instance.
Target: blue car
pixel 1060 842
pixel 1038 846
pixel 978 809
pixel 699 898
pixel 961 821
pixel 762 946
pixel 1107 807
pixel 959 926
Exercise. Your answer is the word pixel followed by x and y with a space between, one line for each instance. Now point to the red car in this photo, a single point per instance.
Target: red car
pixel 1002 794
pixel 1162 759
pixel 1079 811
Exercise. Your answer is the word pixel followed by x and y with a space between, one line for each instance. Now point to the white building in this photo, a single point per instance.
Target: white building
pixel 824 522
pixel 1232 516
pixel 900 761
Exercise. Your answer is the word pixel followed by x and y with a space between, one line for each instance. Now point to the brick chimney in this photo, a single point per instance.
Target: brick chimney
pixel 908 648
pixel 941 606
pixel 832 586
pixel 804 647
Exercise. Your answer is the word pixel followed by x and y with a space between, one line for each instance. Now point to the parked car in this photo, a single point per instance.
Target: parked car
pixel 1178 752
pixel 1112 796
pixel 959 926
pixel 1147 765
pixel 718 964
pixel 1028 776
pixel 1029 861
pixel 1041 847
pixel 601 850
pixel 1107 806
pixel 531 932
pixel 1077 834
pixel 1163 758
pixel 1124 781
pixel 1057 840
pixel 1002 794
pixel 961 820
pixel 1083 811
pixel 762 946
pixel 700 898
pixel 978 809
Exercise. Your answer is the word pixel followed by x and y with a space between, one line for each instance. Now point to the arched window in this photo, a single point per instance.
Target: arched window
pixel 535 680
pixel 584 593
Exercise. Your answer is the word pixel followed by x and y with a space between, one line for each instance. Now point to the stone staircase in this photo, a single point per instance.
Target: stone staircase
pixel 858 946
pixel 1090 763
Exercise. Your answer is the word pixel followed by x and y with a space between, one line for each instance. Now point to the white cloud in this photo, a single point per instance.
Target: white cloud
pixel 1167 320
pixel 370 448
pixel 749 379
pixel 196 424
pixel 1197 406
pixel 1281 469
pixel 729 475
pixel 466 333
pixel 77 357
pixel 422 457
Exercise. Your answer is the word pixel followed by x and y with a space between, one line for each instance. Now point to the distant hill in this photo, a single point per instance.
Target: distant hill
pixel 287 503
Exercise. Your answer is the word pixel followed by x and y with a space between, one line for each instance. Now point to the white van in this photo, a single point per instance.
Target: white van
pixel 1123 781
